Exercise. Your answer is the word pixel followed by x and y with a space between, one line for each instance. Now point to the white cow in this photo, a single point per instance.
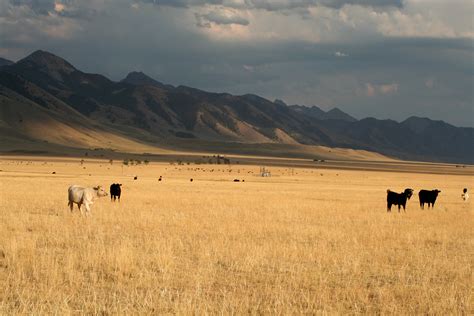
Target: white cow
pixel 86 196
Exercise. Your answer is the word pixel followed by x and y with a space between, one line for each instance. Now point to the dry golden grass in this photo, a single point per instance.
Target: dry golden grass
pixel 289 244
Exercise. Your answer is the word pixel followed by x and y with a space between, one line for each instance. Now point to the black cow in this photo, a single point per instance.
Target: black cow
pixel 115 191
pixel 428 197
pixel 400 199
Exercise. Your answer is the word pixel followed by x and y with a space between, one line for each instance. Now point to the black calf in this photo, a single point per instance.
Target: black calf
pixel 115 191
pixel 399 199
pixel 428 197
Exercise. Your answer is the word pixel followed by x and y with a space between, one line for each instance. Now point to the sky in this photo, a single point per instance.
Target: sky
pixel 389 59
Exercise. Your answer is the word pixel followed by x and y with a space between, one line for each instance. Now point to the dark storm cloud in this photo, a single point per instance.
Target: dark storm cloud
pixel 69 9
pixel 356 67
pixel 37 6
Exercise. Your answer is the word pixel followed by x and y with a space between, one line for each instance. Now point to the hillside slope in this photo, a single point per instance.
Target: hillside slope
pixel 141 109
pixel 50 121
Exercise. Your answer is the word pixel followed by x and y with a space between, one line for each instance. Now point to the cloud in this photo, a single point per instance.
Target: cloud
pixel 276 5
pixel 222 17
pixel 249 68
pixel 85 9
pixel 406 57
pixel 182 3
pixel 340 54
pixel 366 3
pixel 36 6
pixel 59 7
pixel 373 90
pixel 429 83
pixel 388 88
pixel 370 90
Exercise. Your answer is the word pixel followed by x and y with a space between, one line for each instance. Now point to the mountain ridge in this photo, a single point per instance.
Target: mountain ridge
pixel 142 108
pixel 317 113
pixel 139 78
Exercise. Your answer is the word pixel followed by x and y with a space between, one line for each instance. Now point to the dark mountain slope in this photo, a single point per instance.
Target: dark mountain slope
pixel 5 62
pixel 163 110
pixel 338 114
pixel 317 113
pixel 140 79
pixel 144 108
pixel 54 125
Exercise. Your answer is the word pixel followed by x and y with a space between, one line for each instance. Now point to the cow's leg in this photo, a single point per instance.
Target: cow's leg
pixel 71 205
pixel 79 205
pixel 398 208
pixel 404 208
pixel 432 204
pixel 422 205
pixel 389 207
pixel 88 208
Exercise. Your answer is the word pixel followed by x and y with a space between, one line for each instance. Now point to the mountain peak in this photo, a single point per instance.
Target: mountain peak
pixel 139 78
pixel 423 120
pixel 420 124
pixel 48 61
pixel 338 114
pixel 280 102
pixel 315 112
pixel 414 118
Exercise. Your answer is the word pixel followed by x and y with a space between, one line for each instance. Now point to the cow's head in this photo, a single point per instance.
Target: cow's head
pixel 436 191
pixel 100 191
pixel 409 193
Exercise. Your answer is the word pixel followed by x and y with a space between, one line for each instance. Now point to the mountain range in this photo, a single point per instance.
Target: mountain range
pixel 46 99
pixel 5 62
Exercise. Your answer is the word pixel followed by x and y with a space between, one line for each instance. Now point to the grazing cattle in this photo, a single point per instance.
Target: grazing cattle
pixel 236 180
pixel 191 180
pixel 399 199
pixel 160 179
pixel 86 196
pixel 115 191
pixel 428 197
pixel 465 195
pixel 135 178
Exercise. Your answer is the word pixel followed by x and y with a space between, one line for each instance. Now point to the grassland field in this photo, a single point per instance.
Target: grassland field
pixel 304 241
